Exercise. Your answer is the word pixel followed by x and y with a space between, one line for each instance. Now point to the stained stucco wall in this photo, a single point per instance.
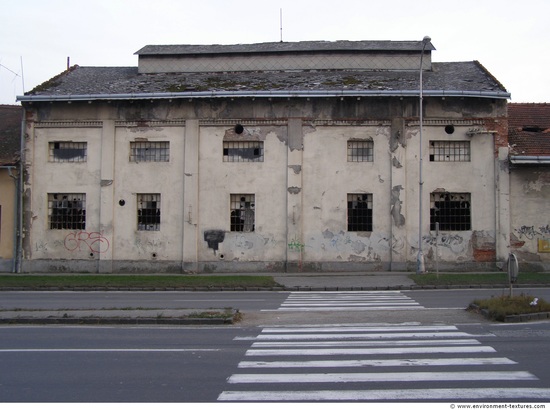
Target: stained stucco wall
pixel 530 229
pixel 300 188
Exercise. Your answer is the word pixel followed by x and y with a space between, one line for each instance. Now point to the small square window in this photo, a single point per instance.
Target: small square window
pixel 149 151
pixel 451 211
pixel 67 211
pixel 360 151
pixel 67 151
pixel 243 151
pixel 242 209
pixel 148 212
pixel 360 212
pixel 449 151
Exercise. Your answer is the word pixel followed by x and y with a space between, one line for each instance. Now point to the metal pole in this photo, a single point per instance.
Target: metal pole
pixel 420 268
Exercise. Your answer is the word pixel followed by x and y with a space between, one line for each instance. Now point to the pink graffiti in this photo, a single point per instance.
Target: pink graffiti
pixel 93 241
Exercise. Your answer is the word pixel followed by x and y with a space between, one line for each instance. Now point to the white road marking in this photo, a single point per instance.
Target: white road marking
pixel 379 377
pixel 465 361
pixel 389 350
pixel 474 394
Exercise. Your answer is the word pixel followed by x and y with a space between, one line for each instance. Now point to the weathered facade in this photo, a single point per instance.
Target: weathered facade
pixel 529 138
pixel 276 156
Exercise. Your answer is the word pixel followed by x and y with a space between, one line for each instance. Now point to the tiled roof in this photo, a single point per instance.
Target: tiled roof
pixel 529 129
pixel 457 78
pixel 10 133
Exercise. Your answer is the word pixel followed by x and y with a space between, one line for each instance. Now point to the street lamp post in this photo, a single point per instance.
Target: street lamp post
pixel 420 268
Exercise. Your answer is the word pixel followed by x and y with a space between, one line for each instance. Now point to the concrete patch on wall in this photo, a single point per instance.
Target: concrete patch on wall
pixel 398 218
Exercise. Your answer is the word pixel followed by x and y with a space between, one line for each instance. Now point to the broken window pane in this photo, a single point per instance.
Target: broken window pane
pixel 150 151
pixel 450 151
pixel 243 151
pixel 148 212
pixel 67 211
pixel 360 212
pixel 451 211
pixel 242 209
pixel 68 151
pixel 360 151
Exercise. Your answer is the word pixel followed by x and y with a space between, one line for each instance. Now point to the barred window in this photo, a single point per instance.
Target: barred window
pixel 243 151
pixel 148 212
pixel 360 212
pixel 451 211
pixel 67 211
pixel 67 151
pixel 360 151
pixel 242 207
pixel 145 151
pixel 450 151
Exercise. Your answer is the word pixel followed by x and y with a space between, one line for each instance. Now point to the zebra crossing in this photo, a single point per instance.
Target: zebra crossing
pixel 365 362
pixel 347 300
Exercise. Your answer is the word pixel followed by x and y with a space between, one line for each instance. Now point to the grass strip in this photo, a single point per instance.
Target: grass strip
pixel 134 281
pixel 501 306
pixel 446 279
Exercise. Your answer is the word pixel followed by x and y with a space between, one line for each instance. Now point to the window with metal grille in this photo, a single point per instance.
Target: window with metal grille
pixel 243 151
pixel 67 211
pixel 451 211
pixel 145 151
pixel 148 212
pixel 450 151
pixel 360 212
pixel 66 151
pixel 242 207
pixel 360 151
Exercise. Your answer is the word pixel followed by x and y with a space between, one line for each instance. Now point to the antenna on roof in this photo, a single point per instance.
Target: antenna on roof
pixel 281 23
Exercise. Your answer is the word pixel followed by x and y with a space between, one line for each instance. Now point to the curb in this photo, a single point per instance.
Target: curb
pixel 525 317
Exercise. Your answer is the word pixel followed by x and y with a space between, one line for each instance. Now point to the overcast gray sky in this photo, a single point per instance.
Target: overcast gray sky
pixel 510 38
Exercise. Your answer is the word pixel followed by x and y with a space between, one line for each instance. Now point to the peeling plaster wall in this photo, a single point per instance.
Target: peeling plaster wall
pixel 300 188
pixel 530 228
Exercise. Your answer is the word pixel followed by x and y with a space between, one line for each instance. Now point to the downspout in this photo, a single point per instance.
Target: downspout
pixel 20 192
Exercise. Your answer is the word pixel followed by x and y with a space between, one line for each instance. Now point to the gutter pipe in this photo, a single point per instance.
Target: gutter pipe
pixel 265 94
pixel 529 160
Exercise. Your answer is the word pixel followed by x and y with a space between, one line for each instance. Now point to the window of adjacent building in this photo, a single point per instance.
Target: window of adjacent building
pixel 360 212
pixel 66 151
pixel 451 211
pixel 243 151
pixel 450 151
pixel 242 208
pixel 148 212
pixel 145 151
pixel 67 211
pixel 360 151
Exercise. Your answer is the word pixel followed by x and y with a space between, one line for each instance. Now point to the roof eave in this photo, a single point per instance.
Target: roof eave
pixel 265 94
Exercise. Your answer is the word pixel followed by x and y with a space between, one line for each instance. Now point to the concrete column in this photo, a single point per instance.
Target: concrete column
pixel 502 213
pixel 106 212
pixel 191 196
pixel 295 240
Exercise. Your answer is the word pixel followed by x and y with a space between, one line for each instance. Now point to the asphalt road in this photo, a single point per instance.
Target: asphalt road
pixel 299 346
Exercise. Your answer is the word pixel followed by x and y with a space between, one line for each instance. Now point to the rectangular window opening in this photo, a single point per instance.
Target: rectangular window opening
pixel 451 211
pixel 449 151
pixel 148 212
pixel 360 151
pixel 60 151
pixel 360 212
pixel 242 209
pixel 243 151
pixel 145 151
pixel 67 211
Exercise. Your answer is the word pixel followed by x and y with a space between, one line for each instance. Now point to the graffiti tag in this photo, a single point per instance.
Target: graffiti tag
pixel 93 241
pixel 296 246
